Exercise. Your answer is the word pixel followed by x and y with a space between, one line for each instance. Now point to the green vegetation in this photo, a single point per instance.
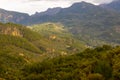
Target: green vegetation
pixel 57 51
pixel 101 63
pixel 20 46
pixel 90 23
pixel 59 39
pixel 16 49
pixel 32 54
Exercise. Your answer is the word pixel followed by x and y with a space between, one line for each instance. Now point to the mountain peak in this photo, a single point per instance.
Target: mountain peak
pixel 81 4
pixel 49 11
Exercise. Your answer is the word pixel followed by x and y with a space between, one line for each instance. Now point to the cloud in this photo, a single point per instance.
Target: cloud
pixel 31 6
pixel 102 1
pixel 73 1
pixel 97 1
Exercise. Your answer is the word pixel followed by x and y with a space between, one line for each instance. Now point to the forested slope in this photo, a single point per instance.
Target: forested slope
pixel 101 63
pixel 20 45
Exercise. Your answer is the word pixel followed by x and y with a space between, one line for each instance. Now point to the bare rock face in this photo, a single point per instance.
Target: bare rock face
pixel 53 37
pixel 12 31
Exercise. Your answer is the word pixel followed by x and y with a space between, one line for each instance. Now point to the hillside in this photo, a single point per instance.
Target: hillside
pixel 101 63
pixel 20 45
pixel 62 41
pixel 87 22
pixel 80 42
pixel 94 25
pixel 11 16
pixel 16 49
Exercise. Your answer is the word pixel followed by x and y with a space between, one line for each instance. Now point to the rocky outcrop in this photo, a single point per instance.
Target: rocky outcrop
pixel 12 31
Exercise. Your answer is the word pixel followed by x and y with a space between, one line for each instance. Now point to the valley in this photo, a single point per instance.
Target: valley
pixel 80 42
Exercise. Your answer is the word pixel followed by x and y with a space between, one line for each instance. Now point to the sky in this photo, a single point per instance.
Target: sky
pixel 32 6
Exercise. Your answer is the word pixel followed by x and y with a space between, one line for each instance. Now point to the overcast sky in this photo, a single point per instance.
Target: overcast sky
pixel 32 6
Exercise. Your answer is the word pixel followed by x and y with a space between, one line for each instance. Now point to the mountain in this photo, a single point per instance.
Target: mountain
pixel 51 46
pixel 87 21
pixel 115 5
pixel 11 16
pixel 90 23
pixel 49 11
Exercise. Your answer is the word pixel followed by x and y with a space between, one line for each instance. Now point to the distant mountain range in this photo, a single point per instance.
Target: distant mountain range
pixel 11 16
pixel 81 10
pixel 50 11
pixel 89 22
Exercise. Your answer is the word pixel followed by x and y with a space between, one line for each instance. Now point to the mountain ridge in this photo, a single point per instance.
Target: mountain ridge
pixel 12 16
pixel 114 5
pixel 49 11
pixel 83 19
